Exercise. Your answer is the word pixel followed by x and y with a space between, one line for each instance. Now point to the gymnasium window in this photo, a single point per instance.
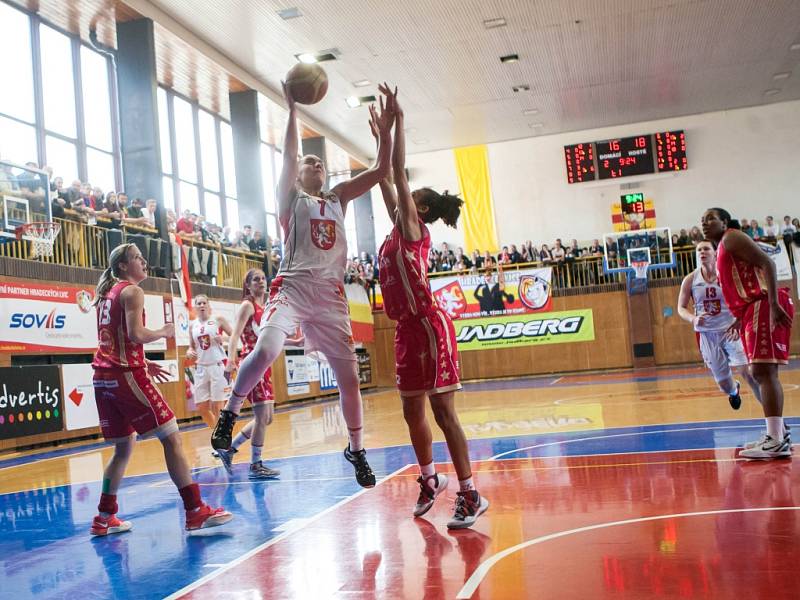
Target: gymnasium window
pixel 70 123
pixel 197 167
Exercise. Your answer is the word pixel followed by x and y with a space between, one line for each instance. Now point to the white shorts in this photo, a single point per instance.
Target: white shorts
pixel 210 383
pixel 720 353
pixel 319 308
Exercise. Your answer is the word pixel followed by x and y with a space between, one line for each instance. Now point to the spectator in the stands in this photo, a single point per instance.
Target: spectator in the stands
pixel 573 251
pixel 111 207
pixel 595 249
pixel 683 238
pixel 514 255
pixel 247 234
pixel 504 258
pixel 558 252
pixel 695 235
pixel 529 253
pixel 135 209
pixel 488 260
pixel 477 260
pixel 186 226
pixel 545 256
pixel 238 242
pixel 756 232
pixel 745 227
pixel 771 229
pixel 258 243
pixel 460 256
pixel 57 201
pixel 787 226
pixel 150 213
pixel 225 238
pixel 172 220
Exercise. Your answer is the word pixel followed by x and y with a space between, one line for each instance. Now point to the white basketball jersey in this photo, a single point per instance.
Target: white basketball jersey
pixel 708 302
pixel 315 243
pixel 209 352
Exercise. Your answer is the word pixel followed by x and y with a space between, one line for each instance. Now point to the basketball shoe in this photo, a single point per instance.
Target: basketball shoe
pixel 258 470
pixel 429 489
pixel 226 458
pixel 469 506
pixel 787 437
pixel 222 436
pixel 735 400
pixel 110 524
pixel 768 448
pixel 364 475
pixel 205 517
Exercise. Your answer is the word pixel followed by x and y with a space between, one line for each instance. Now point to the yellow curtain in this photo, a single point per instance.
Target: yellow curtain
pixel 472 165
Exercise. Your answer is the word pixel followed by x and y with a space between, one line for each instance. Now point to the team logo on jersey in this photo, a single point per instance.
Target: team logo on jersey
pixel 323 233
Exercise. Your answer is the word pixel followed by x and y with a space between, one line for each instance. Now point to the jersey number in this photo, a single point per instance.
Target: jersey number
pixel 105 313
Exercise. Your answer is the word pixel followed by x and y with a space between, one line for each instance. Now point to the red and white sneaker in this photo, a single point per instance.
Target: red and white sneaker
pixel 205 517
pixel 429 489
pixel 110 524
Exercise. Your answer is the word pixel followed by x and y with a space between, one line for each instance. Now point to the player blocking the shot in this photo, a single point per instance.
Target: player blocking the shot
pixel 425 340
pixel 763 313
pixel 309 289
pixel 127 400
pixel 720 346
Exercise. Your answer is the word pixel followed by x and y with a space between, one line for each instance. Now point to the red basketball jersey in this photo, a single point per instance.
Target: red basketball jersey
pixel 115 350
pixel 742 283
pixel 403 275
pixel 250 334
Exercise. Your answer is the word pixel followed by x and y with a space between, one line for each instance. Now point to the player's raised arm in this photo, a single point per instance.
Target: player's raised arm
pixel 407 216
pixel 387 183
pixel 287 192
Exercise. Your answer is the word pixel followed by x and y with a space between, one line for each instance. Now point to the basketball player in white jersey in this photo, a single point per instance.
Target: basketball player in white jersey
pixel 205 347
pixel 309 289
pixel 720 344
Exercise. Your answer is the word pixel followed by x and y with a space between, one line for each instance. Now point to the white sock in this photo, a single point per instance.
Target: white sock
pixel 427 470
pixel 235 403
pixel 775 428
pixel 255 453
pixel 240 439
pixel 466 485
pixel 356 439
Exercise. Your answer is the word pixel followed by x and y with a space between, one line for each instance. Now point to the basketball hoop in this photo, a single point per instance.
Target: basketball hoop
pixel 640 269
pixel 42 234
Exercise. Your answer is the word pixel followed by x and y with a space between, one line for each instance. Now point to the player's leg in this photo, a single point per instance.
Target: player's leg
pixel 202 394
pixel 106 522
pixel 263 411
pixel 712 348
pixel 430 482
pixel 251 371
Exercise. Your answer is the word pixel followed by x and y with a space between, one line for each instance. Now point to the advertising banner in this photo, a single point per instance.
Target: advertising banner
pixel 524 330
pixel 507 293
pixel 296 373
pixel 80 407
pixel 154 319
pixel 30 401
pixel 36 318
pixel 780 257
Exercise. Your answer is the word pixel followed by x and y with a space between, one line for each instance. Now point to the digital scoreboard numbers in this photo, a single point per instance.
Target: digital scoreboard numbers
pixel 580 162
pixel 632 204
pixel 671 151
pixel 625 156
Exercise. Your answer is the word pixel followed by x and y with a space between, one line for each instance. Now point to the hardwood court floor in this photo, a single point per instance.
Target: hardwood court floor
pixel 616 484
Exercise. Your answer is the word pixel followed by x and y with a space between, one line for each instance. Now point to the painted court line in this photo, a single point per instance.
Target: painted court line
pixel 618 435
pixel 483 569
pixel 214 574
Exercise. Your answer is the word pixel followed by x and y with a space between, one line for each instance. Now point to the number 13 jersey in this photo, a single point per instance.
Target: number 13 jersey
pixel 709 303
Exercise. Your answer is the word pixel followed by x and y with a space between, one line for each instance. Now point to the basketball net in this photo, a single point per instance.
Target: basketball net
pixel 640 269
pixel 42 235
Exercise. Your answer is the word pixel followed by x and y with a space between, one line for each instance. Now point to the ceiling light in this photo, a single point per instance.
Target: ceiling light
pixel 530 111
pixel 772 92
pixel 290 13
pixel 494 23
pixel 782 75
pixel 523 87
pixel 306 57
pixel 353 101
pixel 509 58
pixel 362 83
pixel 794 47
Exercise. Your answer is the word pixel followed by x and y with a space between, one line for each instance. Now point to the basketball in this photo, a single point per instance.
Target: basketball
pixel 307 83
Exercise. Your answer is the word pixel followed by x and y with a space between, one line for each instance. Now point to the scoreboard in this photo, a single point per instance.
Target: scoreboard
pixel 623 157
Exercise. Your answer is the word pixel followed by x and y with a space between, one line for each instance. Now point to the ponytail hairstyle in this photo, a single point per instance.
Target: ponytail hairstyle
pixel 246 284
pixel 111 275
pixel 446 206
pixel 726 218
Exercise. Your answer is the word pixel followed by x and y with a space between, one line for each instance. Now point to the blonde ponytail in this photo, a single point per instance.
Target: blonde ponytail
pixel 111 275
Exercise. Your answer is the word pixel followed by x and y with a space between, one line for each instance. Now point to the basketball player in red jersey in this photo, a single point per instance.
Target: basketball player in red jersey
pixel 127 401
pixel 764 314
pixel 309 289
pixel 425 340
pixel 261 397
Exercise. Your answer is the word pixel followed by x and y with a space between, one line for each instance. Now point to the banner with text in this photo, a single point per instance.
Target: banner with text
pixel 35 318
pixel 510 293
pixel 30 401
pixel 525 330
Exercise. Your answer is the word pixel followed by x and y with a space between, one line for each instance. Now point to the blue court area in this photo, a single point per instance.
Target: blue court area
pixel 46 552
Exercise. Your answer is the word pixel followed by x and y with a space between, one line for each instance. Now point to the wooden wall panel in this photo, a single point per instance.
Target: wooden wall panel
pixel 673 338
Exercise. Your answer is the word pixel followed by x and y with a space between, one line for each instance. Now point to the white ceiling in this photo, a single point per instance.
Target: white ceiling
pixel 589 63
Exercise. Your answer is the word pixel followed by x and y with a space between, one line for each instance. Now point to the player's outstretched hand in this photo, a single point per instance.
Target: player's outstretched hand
pixel 733 332
pixel 287 95
pixel 157 372
pixel 191 355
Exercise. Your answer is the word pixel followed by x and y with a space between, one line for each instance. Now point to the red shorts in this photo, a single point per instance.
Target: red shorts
pixel 426 355
pixel 761 344
pixel 128 401
pixel 263 391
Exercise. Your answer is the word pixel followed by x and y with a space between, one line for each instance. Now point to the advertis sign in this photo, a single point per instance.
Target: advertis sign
pixel 296 373
pixel 35 318
pixel 509 293
pixel 525 330
pixel 30 401
pixel 80 407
